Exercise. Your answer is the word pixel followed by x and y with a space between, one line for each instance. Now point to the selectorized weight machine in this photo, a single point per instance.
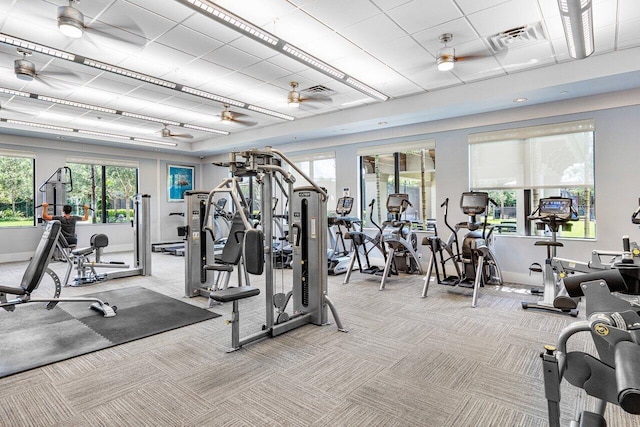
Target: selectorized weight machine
pixel 308 225
pixel 340 254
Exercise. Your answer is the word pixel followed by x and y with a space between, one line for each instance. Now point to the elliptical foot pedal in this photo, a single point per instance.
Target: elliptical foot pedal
pixel 105 309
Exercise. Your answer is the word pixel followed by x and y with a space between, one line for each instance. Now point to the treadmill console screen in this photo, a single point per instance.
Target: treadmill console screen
pixel 474 202
pixel 344 206
pixel 395 202
pixel 560 207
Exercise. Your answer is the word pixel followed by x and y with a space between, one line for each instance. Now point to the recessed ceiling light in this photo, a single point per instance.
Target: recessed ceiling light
pixel 382 123
pixel 520 100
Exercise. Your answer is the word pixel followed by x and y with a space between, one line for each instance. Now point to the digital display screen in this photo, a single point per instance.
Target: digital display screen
pixel 344 206
pixel 560 207
pixel 395 201
pixel 474 200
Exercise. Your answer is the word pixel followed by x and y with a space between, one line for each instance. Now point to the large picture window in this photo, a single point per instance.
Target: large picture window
pixel 321 168
pixel 410 170
pixel 519 167
pixel 16 190
pixel 107 188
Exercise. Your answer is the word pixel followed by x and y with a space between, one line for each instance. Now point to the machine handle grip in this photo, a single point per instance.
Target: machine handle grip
pixel 445 203
pixel 627 355
pixel 634 216
pixel 626 246
pixel 373 202
pixel 298 234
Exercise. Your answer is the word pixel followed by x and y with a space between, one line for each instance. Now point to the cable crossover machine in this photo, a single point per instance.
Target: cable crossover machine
pixel 308 225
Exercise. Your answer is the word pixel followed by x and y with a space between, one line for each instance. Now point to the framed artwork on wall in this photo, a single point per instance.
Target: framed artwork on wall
pixel 179 180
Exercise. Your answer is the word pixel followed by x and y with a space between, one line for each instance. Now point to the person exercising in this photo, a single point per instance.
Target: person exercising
pixel 67 221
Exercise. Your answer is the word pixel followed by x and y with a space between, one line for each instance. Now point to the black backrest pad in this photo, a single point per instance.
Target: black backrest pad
pixel 41 258
pixel 254 251
pixel 233 246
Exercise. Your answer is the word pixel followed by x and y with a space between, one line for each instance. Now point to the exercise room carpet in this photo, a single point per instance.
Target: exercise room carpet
pixel 33 336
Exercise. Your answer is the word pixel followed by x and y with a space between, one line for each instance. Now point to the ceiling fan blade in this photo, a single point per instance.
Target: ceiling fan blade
pixel 245 122
pixel 44 81
pixel 123 37
pixel 181 135
pixel 13 110
pixel 317 98
pixel 58 74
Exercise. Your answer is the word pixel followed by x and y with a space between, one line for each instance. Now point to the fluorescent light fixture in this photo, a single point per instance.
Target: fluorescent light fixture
pixel 14 41
pixel 366 89
pixel 227 18
pixel 151 141
pixel 149 118
pixel 128 73
pixel 205 129
pixel 270 112
pixel 312 61
pixel 577 20
pixel 212 96
pixel 14 92
pixel 75 104
pixel 39 125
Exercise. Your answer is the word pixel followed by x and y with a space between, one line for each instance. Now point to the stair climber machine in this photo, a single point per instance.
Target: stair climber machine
pixel 308 224
pixel 474 261
pixel 552 213
pixel 340 255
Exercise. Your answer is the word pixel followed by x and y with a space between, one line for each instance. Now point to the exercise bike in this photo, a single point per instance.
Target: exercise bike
pixel 339 255
pixel 552 213
pixel 611 376
pixel 474 262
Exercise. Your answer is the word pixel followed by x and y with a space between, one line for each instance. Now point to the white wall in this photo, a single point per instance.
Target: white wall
pixel 617 123
pixel 52 154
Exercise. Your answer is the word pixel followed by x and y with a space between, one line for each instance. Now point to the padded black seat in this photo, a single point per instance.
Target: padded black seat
pixel 548 243
pixel 233 294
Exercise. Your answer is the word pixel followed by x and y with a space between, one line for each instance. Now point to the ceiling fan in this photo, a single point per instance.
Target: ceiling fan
pixel 227 116
pixel 446 56
pixel 295 99
pixel 26 70
pixel 165 132
pixel 71 24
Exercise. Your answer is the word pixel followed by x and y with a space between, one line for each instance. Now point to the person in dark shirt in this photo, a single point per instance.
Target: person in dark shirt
pixel 67 221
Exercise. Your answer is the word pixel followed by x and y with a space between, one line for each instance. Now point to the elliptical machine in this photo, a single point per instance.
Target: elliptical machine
pixel 474 261
pixel 552 213
pixel 340 255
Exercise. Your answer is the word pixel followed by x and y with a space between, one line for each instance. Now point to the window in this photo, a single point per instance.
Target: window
pixel 409 170
pixel 107 188
pixel 321 168
pixel 16 190
pixel 519 167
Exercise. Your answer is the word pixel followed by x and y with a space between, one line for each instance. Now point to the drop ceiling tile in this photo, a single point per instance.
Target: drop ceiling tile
pixel 402 55
pixel 90 95
pixel 460 29
pixel 298 28
pixel 628 34
pixel 113 83
pixel 255 48
pixel 137 20
pixel 432 79
pixel 605 39
pixel 266 71
pixel 373 31
pixel 629 9
pixel 201 71
pixel 188 41
pixel 472 6
pixel 505 16
pixel 261 13
pixel 172 9
pixel 105 50
pixel 156 60
pixel 147 93
pixel 605 13
pixel 210 28
pixel 351 12
pixel 549 8
pixel 389 4
pixel 231 57
pixel 399 87
pixel 421 14
pixel 231 84
pixel 530 56
pixel 331 47
pixel 287 63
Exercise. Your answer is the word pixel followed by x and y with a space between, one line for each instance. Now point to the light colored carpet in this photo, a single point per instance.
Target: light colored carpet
pixel 406 361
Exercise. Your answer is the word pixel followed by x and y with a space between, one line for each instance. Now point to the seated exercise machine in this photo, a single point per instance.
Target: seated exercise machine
pixel 86 268
pixel 308 222
pixel 38 266
pixel 611 376
pixel 474 261
pixel 552 213
pixel 339 254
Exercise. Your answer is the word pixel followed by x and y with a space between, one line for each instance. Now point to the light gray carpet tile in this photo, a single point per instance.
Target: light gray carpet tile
pixel 161 403
pixel 281 401
pixel 350 414
pixel 370 346
pixel 36 406
pixel 336 372
pixel 404 330
pixel 86 392
pixel 68 370
pixel 217 416
pixel 22 382
pixel 474 412
pixel 415 403
pixel 179 358
pixel 518 359
pixel 478 348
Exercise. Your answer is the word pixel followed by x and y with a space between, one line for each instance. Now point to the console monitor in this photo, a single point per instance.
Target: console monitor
pixel 344 206
pixel 560 207
pixel 474 202
pixel 397 202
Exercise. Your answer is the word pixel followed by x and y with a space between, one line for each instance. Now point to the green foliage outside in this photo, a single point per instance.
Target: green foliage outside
pixel 16 191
